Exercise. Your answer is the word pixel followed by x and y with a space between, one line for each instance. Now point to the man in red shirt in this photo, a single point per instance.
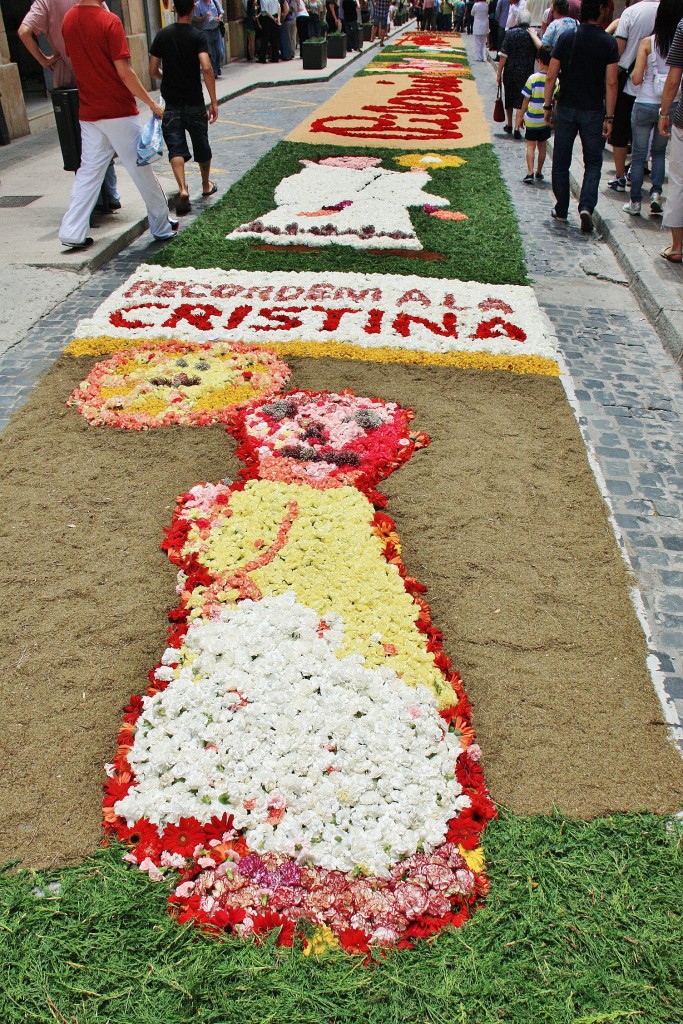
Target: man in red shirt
pixel 45 17
pixel 96 46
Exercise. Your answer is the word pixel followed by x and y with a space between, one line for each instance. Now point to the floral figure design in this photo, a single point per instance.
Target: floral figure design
pixel 347 200
pixel 304 755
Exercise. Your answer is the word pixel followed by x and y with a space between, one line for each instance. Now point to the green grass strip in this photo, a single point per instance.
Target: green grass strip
pixel 485 248
pixel 582 926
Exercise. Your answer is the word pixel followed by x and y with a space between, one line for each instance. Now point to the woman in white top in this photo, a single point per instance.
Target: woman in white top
pixel 649 75
pixel 480 27
pixel 301 22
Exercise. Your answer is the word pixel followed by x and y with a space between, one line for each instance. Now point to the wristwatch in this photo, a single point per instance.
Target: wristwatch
pixel 662 114
pixel 547 106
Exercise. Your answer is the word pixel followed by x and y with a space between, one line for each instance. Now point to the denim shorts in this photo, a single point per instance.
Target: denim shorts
pixel 193 120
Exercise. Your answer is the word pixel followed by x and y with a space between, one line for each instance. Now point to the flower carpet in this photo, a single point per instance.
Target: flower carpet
pixel 336 405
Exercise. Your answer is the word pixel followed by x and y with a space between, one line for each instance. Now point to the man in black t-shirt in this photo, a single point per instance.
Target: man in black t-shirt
pixel 350 8
pixel 178 53
pixel 586 61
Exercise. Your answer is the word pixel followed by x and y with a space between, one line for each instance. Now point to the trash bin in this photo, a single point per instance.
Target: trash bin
pixel 65 105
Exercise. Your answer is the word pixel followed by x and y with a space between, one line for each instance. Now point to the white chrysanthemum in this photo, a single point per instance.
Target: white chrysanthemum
pixel 314 755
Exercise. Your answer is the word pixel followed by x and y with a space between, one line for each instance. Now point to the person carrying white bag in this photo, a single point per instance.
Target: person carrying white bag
pixel 649 76
pixel 107 86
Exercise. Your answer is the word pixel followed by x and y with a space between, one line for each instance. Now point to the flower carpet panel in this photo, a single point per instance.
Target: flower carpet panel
pixel 302 759
pixel 300 753
pixel 411 58
pixel 400 64
pixel 421 111
pixel 376 316
pixel 405 59
pixel 433 42
pixel 426 213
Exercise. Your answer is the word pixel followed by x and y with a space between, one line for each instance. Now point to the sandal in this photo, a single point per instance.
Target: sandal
pixel 671 256
pixel 212 190
pixel 183 205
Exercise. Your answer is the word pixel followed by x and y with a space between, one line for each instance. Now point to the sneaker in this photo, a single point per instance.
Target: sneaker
pixel 586 218
pixel 656 208
pixel 557 216
pixel 174 225
pixel 528 179
pixel 507 128
pixel 617 184
pixel 516 134
pixel 74 246
pixel 632 208
pixel 538 176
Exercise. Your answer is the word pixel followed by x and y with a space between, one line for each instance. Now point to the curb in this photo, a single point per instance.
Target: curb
pixel 652 293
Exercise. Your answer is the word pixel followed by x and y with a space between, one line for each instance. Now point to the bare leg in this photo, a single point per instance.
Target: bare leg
pixel 178 168
pixel 530 150
pixel 542 150
pixel 619 154
pixel 205 170
pixel 676 239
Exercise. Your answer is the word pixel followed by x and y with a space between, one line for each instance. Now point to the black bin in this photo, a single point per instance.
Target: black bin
pixel 65 105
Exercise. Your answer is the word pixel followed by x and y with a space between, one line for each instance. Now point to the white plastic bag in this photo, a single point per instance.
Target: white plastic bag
pixel 150 143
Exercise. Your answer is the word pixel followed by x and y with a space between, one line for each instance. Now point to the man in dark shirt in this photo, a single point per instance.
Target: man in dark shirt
pixel 586 61
pixel 177 55
pixel 350 9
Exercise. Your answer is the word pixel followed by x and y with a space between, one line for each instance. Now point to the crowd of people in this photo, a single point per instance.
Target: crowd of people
pixel 581 72
pixel 276 29
pixel 569 68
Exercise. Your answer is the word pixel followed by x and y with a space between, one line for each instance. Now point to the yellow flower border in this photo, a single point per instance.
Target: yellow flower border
pixel 521 365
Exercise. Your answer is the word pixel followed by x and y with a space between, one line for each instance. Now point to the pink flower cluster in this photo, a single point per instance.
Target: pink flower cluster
pixel 431 886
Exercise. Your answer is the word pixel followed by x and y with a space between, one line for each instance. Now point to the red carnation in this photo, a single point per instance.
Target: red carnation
pixel 354 940
pixel 267 921
pixel 217 827
pixel 228 918
pixel 133 709
pixel 116 788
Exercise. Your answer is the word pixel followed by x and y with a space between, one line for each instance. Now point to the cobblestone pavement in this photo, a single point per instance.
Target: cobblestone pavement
pixel 626 391
pixel 628 397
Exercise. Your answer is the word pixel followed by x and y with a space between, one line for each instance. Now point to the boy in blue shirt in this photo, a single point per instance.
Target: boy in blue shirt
pixel 533 117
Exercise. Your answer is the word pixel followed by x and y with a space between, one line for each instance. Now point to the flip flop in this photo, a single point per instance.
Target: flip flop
pixel 672 257
pixel 183 205
pixel 212 190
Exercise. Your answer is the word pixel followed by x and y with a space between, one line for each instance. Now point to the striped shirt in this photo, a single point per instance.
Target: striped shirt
pixel 674 59
pixel 534 90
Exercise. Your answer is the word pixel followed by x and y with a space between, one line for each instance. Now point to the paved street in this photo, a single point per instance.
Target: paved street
pixel 625 387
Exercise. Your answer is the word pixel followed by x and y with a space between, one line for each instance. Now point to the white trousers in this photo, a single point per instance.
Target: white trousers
pixel 480 47
pixel 100 141
pixel 673 211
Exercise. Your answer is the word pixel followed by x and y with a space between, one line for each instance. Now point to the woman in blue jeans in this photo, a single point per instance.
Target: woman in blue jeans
pixel 649 73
